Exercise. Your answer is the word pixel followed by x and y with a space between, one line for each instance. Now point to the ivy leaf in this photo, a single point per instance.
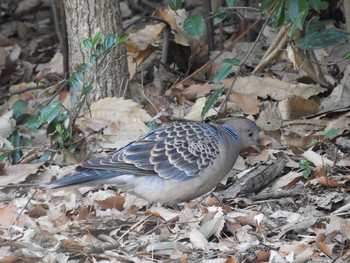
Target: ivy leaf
pixel 325 38
pixel 99 49
pixel 18 107
pixel 175 4
pixel 319 5
pixel 280 14
pixel 15 141
pixel 93 58
pixel 74 83
pixel 212 100
pixel 87 43
pixel 96 38
pixel 219 15
pixel 194 26
pixel 225 69
pixel 50 112
pixel 266 5
pixel 83 67
pixel 109 41
pixel 121 39
pixel 87 90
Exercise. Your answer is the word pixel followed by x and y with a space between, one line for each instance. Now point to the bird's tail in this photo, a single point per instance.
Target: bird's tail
pixel 88 176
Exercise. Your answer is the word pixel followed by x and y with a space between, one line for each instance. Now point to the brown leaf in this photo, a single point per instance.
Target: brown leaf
pixel 18 173
pixel 326 248
pixel 262 256
pixel 325 181
pixel 297 107
pixel 71 245
pixel 37 212
pixel 247 103
pixel 116 202
pixel 8 215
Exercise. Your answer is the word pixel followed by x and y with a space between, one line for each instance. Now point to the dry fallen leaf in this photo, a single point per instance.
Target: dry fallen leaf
pixel 297 107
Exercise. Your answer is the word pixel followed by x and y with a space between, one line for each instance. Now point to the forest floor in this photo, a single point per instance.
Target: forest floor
pixel 290 203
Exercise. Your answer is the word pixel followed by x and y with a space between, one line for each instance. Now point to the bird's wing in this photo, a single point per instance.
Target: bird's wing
pixel 178 151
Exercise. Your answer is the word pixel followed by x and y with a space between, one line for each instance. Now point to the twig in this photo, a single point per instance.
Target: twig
pixel 41 148
pixel 28 89
pixel 224 103
pixel 218 55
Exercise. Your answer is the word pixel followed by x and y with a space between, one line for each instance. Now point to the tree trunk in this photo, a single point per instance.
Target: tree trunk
pixel 84 19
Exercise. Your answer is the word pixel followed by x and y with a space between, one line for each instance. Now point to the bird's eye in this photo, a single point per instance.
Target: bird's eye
pixel 250 133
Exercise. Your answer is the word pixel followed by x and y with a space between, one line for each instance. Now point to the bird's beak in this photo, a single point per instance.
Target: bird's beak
pixel 256 147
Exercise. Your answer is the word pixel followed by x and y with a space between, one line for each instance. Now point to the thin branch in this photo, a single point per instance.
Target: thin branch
pixel 224 104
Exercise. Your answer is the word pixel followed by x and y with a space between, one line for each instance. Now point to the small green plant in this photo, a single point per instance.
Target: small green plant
pixel 304 164
pixel 57 120
pixel 305 167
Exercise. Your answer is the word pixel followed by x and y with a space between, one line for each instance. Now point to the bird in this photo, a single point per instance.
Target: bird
pixel 175 163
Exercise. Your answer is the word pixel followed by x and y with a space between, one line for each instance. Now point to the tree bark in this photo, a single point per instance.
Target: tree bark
pixel 84 19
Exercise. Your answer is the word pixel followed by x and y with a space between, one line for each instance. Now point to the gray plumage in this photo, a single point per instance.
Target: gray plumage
pixel 176 162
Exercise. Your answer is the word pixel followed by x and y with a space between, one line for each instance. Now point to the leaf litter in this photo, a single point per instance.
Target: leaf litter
pixel 298 220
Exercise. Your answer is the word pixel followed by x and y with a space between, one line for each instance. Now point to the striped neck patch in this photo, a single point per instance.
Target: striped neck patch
pixel 230 131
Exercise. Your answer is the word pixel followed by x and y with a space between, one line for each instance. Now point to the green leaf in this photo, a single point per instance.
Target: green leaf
pixel 83 67
pixel 96 38
pixel 331 133
pixel 319 5
pixel 175 4
pixel 298 23
pixel 33 123
pixel 346 55
pixel 93 58
pixel 87 43
pixel 314 27
pixel 4 156
pixel 325 38
pixel 87 90
pixel 78 75
pixel 233 61
pixel 307 173
pixel 45 157
pixel 305 167
pixel 194 26
pixel 74 83
pixel 62 131
pixel 211 100
pixel 222 72
pixel 296 8
pixel 99 49
pixel 15 141
pixel 74 99
pixel 50 112
pixel 303 164
pixel 30 120
pixel 231 3
pixel 280 14
pixel 72 148
pixel 266 5
pixel 18 106
pixel 122 39
pixel 109 41
pixel 219 15
pixel 312 143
